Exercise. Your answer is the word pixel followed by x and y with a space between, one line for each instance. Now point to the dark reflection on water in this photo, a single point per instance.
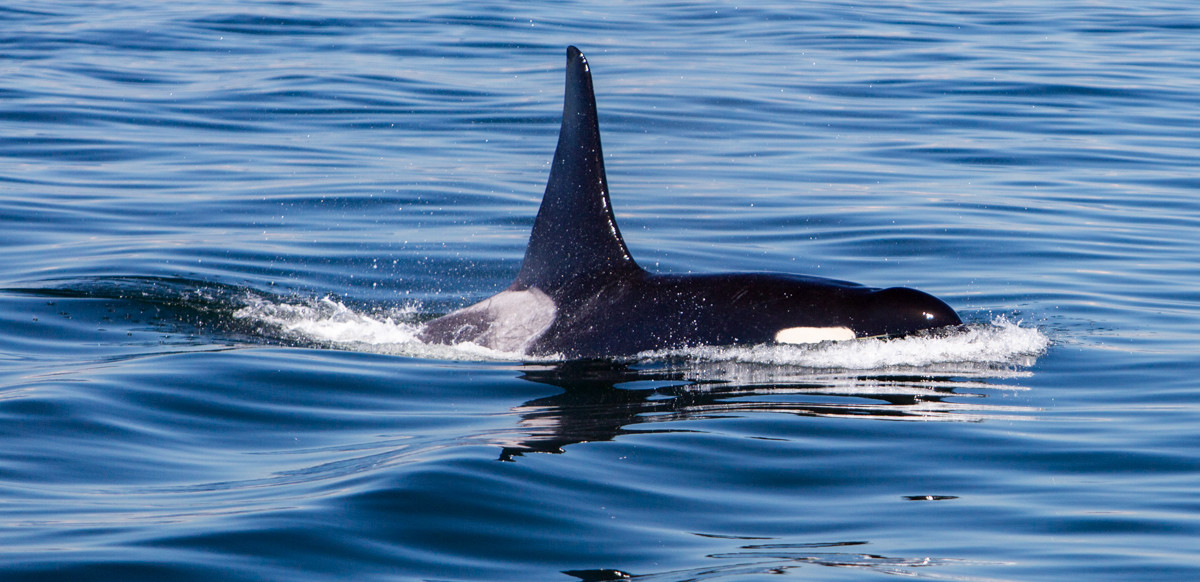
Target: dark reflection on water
pixel 602 400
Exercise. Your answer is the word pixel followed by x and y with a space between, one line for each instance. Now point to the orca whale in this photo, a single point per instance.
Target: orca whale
pixel 580 294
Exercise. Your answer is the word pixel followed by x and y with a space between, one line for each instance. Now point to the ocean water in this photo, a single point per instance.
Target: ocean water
pixel 222 223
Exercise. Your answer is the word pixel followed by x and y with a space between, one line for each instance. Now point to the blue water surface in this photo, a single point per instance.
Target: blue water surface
pixel 222 223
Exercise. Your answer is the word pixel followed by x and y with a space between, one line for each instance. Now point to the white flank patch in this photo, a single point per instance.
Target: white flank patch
pixel 517 319
pixel 813 335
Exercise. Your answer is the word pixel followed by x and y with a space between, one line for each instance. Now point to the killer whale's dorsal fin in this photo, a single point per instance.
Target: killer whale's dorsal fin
pixel 575 233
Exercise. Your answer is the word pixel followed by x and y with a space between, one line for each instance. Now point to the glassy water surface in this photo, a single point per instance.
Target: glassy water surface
pixel 223 224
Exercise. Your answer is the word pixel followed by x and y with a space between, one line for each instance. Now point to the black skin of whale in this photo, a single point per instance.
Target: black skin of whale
pixel 606 306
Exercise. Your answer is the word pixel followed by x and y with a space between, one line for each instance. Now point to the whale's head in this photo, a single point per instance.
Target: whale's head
pixel 899 311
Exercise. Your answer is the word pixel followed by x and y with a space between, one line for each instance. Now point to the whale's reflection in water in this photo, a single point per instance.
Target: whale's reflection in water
pixel 603 400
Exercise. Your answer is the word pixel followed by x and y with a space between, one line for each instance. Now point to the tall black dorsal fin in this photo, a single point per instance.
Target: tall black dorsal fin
pixel 575 232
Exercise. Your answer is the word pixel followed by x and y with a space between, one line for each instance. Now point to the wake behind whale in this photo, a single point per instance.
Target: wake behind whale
pixel 580 294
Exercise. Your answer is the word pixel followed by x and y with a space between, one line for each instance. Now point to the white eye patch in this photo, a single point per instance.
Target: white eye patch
pixel 812 335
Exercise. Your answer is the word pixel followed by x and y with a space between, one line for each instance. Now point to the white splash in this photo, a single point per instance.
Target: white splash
pixel 1000 343
pixel 990 346
pixel 329 322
